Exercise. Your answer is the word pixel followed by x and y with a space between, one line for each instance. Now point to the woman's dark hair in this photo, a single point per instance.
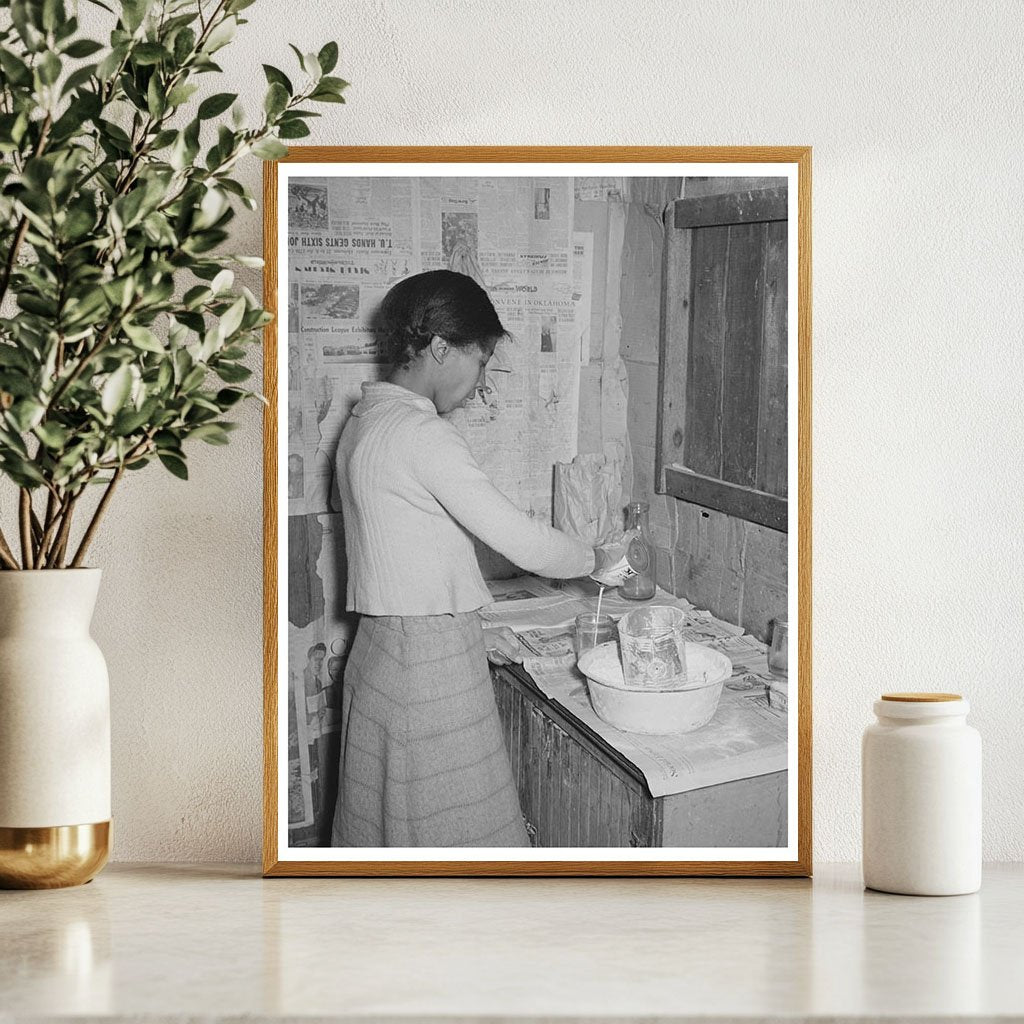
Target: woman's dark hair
pixel 439 302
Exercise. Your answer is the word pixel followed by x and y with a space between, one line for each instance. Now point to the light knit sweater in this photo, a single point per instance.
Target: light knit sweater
pixel 412 494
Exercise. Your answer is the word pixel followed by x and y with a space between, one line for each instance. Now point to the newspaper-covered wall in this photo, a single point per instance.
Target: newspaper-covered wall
pixel 349 240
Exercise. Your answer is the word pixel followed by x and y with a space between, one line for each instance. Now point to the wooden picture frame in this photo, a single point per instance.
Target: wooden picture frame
pixel 614 175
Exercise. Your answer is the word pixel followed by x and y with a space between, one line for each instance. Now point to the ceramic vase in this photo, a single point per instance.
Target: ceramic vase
pixel 54 731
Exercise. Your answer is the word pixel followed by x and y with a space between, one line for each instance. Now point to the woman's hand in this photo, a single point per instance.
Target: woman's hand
pixel 606 557
pixel 502 646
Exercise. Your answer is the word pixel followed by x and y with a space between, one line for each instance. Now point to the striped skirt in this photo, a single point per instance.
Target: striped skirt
pixel 423 759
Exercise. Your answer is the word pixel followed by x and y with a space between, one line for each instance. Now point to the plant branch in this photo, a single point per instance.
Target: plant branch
pixel 37 527
pixel 97 516
pixel 6 554
pixel 25 522
pixel 54 506
pixel 60 544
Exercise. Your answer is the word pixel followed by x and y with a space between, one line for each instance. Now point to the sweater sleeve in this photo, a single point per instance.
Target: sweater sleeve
pixel 444 465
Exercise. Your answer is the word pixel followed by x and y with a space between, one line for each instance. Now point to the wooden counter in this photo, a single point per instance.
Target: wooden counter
pixel 576 790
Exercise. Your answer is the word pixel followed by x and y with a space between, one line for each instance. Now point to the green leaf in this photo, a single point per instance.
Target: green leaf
pixel 129 207
pixel 164 376
pixel 78 78
pixel 211 208
pixel 133 13
pixel 116 133
pixel 181 94
pixel 16 70
pixel 128 421
pixel 195 296
pixel 328 57
pixel 222 282
pixel 144 338
pixel 184 44
pixel 116 390
pixel 149 53
pixel 193 379
pixel 53 435
pixel 156 101
pixel 26 21
pixel 168 441
pixel 227 397
pixel 163 139
pixel 53 15
pixel 334 84
pixel 324 96
pixel 11 441
pixel 16 383
pixel 278 77
pixel 175 465
pixel 211 433
pixel 36 304
pixel 221 35
pixel 119 291
pixel 12 356
pixel 232 373
pixel 232 319
pixel 276 99
pixel 214 105
pixel 269 149
pixel 26 414
pixel 292 130
pixel 109 65
pixel 21 471
pixel 83 48
pixel 49 68
pixel 310 65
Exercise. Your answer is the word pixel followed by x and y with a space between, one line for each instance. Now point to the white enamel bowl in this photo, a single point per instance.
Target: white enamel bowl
pixel 656 711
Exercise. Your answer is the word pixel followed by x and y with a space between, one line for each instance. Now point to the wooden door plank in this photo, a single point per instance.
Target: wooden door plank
pixel 674 352
pixel 749 206
pixel 741 378
pixel 742 502
pixel 703 433
pixel 772 427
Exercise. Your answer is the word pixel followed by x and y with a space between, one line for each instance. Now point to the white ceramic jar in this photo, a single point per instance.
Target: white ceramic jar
pixel 921 791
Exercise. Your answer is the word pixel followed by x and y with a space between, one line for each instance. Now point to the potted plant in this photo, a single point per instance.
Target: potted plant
pixel 122 340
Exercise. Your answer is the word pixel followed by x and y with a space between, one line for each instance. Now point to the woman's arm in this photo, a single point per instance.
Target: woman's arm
pixel 444 465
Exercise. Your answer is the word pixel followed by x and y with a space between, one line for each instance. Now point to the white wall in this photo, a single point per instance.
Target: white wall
pixel 914 114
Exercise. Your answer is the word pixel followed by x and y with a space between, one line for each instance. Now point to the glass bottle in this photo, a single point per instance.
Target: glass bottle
pixel 639 553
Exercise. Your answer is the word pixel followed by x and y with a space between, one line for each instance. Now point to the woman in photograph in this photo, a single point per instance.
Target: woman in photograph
pixel 423 760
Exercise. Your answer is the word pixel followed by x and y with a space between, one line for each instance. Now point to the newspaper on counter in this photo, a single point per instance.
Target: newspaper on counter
pixel 748 734
pixel 529 602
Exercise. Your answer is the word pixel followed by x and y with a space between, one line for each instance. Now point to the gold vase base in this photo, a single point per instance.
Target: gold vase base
pixel 54 857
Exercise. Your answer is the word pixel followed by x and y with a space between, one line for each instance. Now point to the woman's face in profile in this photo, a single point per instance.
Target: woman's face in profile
pixel 463 374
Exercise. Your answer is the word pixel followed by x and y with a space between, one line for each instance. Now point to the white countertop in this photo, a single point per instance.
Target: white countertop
pixel 177 941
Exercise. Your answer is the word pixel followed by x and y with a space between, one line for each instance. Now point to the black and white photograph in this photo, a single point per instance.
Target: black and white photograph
pixel 538 571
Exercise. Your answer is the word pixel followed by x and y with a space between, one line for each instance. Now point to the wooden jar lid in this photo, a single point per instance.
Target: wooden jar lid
pixel 921 698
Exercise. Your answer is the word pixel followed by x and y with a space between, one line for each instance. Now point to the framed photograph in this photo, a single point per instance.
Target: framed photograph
pixel 508 389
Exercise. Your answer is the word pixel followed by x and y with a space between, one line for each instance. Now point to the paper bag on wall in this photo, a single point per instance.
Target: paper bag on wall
pixel 588 496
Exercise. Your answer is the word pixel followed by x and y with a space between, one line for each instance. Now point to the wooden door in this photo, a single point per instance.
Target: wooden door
pixel 723 437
